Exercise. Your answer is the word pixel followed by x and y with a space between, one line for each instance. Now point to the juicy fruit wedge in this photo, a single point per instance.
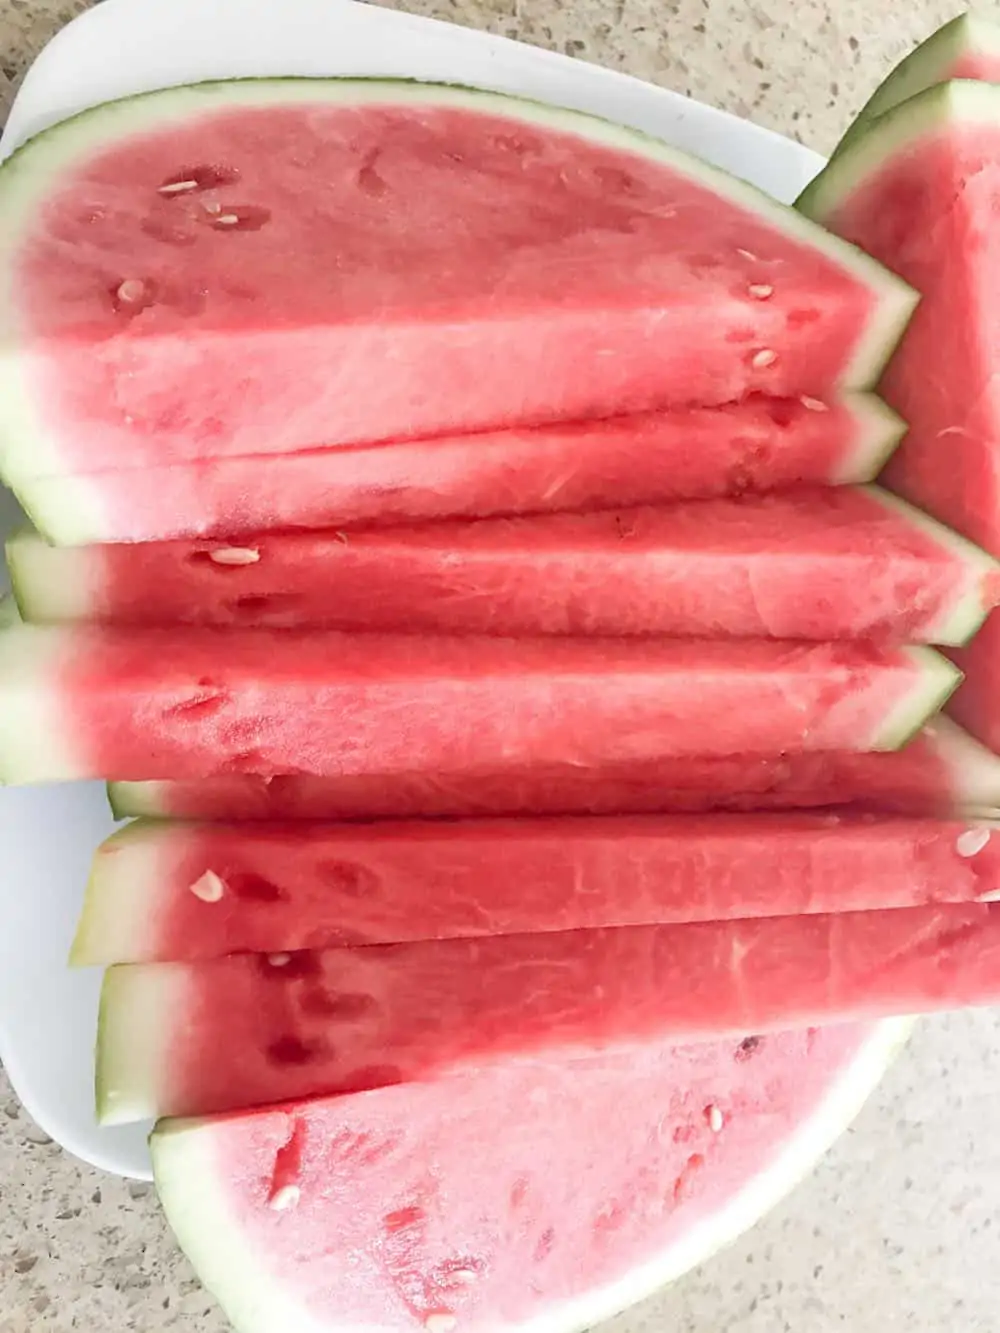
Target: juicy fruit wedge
pixel 159 250
pixel 840 563
pixel 601 1183
pixel 966 48
pixel 186 703
pixel 759 444
pixel 918 191
pixel 194 1038
pixel 940 771
pixel 178 892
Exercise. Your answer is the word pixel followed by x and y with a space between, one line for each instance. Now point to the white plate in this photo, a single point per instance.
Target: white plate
pixel 48 1014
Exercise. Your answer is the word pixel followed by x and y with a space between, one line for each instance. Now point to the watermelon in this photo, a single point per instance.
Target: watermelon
pixel 163 892
pixel 966 48
pixel 90 701
pixel 527 1197
pixel 918 191
pixel 229 268
pixel 228 1033
pixel 760 444
pixel 941 771
pixel 836 563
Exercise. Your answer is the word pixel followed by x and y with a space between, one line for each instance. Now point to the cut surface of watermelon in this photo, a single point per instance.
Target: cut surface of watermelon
pixel 821 565
pixel 759 444
pixel 594 1185
pixel 92 701
pixel 966 48
pixel 163 250
pixel 917 190
pixel 164 892
pixel 228 1033
pixel 942 770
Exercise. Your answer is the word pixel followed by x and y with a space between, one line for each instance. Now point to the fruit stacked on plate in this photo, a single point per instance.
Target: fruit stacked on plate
pixel 455 538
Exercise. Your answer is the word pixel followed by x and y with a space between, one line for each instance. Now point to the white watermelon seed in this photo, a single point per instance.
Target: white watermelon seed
pixel 760 291
pixel 178 187
pixel 132 290
pixel 212 206
pixel 715 1119
pixel 226 220
pixel 464 1276
pixel 764 358
pixel 972 841
pixel 235 555
pixel 440 1322
pixel 209 888
pixel 813 404
pixel 747 254
pixel 285 1198
pixel 990 896
pixel 279 959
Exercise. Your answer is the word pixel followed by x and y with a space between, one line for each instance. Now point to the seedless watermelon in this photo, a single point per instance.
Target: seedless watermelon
pixel 227 1033
pixel 941 771
pixel 230 268
pixel 177 892
pixel 91 701
pixel 421 1208
pixel 917 190
pixel 759 444
pixel 836 563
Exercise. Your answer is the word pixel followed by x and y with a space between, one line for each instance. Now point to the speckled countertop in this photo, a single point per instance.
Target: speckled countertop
pixel 899 1228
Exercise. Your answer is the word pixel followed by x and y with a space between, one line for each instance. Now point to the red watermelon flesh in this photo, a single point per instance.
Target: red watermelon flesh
pixel 227 1033
pixel 941 771
pixel 835 563
pixel 177 892
pixel 760 444
pixel 918 192
pixel 93 701
pixel 265 266
pixel 526 1197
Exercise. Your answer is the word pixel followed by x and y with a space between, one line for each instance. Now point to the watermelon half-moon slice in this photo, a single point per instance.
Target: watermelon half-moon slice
pixel 541 1198
pixel 266 266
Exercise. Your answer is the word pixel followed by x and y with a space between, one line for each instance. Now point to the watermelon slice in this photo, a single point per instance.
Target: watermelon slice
pixel 941 771
pixel 918 191
pixel 837 563
pixel 966 48
pixel 144 703
pixel 420 1208
pixel 759 444
pixel 227 269
pixel 179 892
pixel 227 1033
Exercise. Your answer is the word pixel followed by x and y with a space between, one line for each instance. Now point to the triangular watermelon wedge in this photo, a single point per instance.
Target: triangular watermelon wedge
pixel 540 1199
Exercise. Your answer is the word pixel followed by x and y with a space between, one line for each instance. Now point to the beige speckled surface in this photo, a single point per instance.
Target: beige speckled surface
pixel 899 1229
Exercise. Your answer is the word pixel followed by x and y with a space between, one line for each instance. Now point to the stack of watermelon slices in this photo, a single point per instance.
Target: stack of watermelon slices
pixel 456 542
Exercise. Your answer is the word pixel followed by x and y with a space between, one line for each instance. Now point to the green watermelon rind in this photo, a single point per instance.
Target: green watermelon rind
pixel 209 1231
pixel 970 610
pixel 959 102
pixel 31 172
pixel 923 68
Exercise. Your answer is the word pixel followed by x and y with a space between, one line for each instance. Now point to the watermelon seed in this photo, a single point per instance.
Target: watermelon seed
pixel 760 291
pixel 227 220
pixel 440 1321
pixel 990 896
pixel 131 291
pixel 209 888
pixel 285 1198
pixel 764 358
pixel 212 206
pixel 747 254
pixel 235 555
pixel 178 187
pixel 813 404
pixel 715 1118
pixel 972 841
pixel 279 959
pixel 465 1277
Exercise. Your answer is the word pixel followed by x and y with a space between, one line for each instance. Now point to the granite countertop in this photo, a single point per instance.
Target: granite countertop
pixel 897 1229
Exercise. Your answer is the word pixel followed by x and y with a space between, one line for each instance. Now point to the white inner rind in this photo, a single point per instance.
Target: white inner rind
pixel 210 1231
pixel 38 170
pixel 133 1038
